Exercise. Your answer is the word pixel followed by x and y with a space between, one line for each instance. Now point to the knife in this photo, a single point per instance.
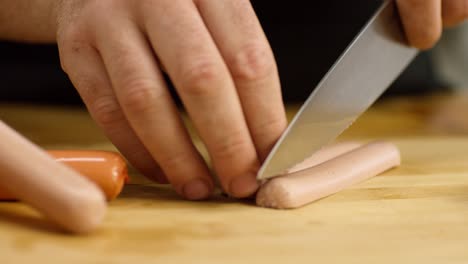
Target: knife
pixel 370 64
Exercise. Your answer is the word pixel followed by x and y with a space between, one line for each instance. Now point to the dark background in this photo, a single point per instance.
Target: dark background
pixel 306 37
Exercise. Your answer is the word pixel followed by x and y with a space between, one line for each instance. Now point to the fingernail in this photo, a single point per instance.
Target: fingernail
pixel 196 190
pixel 244 186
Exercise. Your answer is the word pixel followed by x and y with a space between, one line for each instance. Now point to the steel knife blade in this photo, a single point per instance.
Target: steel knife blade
pixel 370 64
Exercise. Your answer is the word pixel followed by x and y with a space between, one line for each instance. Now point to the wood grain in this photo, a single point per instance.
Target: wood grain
pixel 417 213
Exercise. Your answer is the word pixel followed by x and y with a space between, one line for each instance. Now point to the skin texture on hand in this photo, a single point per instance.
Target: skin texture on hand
pixel 221 64
pixel 31 21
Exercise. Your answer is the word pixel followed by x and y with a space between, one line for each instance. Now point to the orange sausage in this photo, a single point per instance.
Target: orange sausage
pixel 106 169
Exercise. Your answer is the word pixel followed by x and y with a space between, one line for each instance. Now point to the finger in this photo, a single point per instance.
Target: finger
pixel 454 12
pixel 244 46
pixel 86 70
pixel 147 104
pixel 57 191
pixel 422 20
pixel 202 80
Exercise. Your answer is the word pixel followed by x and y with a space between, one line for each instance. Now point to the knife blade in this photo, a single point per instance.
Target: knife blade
pixel 369 65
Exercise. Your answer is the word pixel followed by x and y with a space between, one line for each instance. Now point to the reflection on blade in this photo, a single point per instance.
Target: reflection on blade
pixel 365 70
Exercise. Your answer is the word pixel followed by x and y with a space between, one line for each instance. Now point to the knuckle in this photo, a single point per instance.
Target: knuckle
pixel 139 96
pixel 231 146
pixel 128 63
pixel 174 161
pixel 253 62
pixel 72 43
pixel 87 86
pixel 106 111
pixel 73 25
pixel 69 34
pixel 176 165
pixel 270 129
pixel 198 78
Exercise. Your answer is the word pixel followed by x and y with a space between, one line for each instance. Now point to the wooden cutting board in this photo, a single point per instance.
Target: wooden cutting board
pixel 417 213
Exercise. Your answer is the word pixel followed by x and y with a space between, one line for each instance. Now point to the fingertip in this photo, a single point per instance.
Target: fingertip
pixel 197 189
pixel 424 39
pixel 424 42
pixel 243 187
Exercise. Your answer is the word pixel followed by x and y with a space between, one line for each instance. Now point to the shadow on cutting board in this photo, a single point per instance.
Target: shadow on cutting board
pixel 157 193
pixel 28 219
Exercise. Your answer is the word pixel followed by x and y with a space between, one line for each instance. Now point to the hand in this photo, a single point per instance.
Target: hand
pixel 423 20
pixel 221 64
